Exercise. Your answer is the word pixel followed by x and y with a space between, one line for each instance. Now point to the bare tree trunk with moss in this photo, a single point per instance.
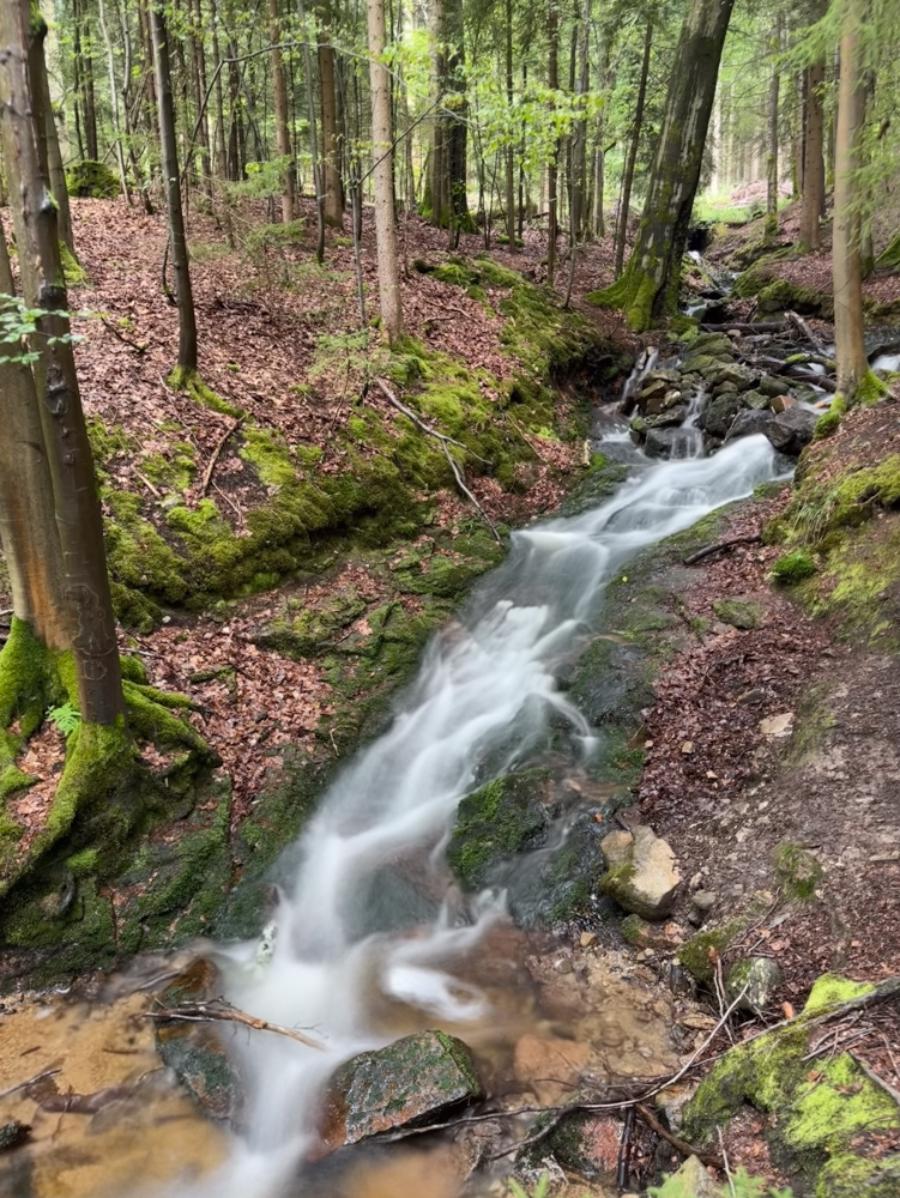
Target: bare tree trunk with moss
pixel 187 320
pixel 91 634
pixel 383 174
pixel 510 153
pixel 772 163
pixel 648 290
pixel 850 347
pixel 633 146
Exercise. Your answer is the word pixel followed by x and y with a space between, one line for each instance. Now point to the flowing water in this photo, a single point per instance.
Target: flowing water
pixel 343 947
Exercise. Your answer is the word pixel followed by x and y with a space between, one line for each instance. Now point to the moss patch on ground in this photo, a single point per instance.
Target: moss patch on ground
pixel 825 1114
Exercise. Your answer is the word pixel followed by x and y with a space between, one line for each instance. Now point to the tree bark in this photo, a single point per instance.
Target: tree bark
pixel 633 146
pixel 553 165
pixel 852 364
pixel 331 146
pixel 282 117
pixel 813 150
pixel 510 153
pixel 114 101
pixel 648 289
pixel 91 632
pixel 772 163
pixel 383 173
pixel 220 162
pixel 187 321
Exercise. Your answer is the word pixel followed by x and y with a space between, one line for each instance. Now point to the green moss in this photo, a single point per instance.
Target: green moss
pixel 495 823
pixel 91 179
pixel 798 871
pixel 190 382
pixel 175 469
pixel 698 955
pixel 831 990
pixel 740 613
pixel 847 1175
pixel 268 453
pixel 793 567
pixel 840 1102
pixel 74 273
pixel 828 423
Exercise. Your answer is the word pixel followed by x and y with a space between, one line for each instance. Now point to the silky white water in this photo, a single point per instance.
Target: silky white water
pixel 486 686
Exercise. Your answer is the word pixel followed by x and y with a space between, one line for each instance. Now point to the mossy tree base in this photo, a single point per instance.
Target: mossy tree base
pixel 638 295
pixel 98 798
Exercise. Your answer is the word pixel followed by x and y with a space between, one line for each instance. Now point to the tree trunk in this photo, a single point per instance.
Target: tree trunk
pixel 813 148
pixel 579 139
pixel 199 64
pixel 852 364
pixel 91 631
pixel 510 153
pixel 187 321
pixel 221 155
pixel 114 101
pixel 648 289
pixel 772 164
pixel 383 173
pixel 282 117
pixel 89 105
pixel 317 164
pixel 633 146
pixel 331 149
pixel 553 165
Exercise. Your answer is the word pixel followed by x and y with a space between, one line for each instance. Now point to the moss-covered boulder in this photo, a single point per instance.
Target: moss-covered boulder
pixel 89 179
pixel 422 1078
pixel 501 819
pixel 830 1126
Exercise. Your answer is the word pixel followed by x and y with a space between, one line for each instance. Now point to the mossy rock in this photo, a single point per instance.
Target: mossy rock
pixel 89 179
pixel 739 613
pixel 501 819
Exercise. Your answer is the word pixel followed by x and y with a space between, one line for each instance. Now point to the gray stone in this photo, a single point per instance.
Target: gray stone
pixel 792 430
pixel 718 415
pixel 733 372
pixel 759 978
pixel 772 386
pixel 757 400
pixel 642 872
pixel 421 1077
pixel 694 1181
pixel 704 900
pixel 660 442
pixel 748 422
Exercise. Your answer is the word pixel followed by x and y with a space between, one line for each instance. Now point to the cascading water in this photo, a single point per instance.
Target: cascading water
pixel 339 950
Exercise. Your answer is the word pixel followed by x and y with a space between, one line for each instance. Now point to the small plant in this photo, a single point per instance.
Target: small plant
pixel 19 322
pixel 65 718
pixel 541 1189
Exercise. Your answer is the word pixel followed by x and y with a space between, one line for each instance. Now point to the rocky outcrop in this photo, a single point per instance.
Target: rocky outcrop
pixel 642 874
pixel 419 1078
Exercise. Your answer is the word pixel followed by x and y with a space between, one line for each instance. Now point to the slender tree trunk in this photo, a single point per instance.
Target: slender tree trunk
pixel 199 63
pixel 114 101
pixel 553 164
pixel 57 171
pixel 92 633
pixel 578 157
pixel 221 154
pixel 87 75
pixel 852 364
pixel 282 117
pixel 331 142
pixel 648 289
pixel 510 152
pixel 772 164
pixel 633 146
pixel 813 150
pixel 383 173
pixel 317 164
pixel 436 201
pixel 187 321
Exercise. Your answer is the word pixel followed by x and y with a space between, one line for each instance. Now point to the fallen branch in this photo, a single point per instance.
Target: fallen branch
pixel 878 1080
pixel 805 331
pixel 211 464
pixel 154 490
pixel 744 326
pixel 137 346
pixel 223 1012
pixel 682 1146
pixel 720 546
pixel 31 1081
pixel 444 442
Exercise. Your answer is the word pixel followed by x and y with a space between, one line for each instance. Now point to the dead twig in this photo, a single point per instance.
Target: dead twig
pixel 138 346
pixel 720 547
pixel 725 1164
pixel 220 445
pixel 879 1081
pixel 31 1081
pixel 444 442
pixel 154 490
pixel 682 1146
pixel 222 1012
pixel 805 331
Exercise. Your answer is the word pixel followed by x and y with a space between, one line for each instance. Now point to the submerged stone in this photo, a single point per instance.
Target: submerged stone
pixel 419 1078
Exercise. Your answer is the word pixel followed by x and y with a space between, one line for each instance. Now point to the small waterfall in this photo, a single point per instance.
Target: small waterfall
pixel 486 686
pixel 689 443
pixel 642 367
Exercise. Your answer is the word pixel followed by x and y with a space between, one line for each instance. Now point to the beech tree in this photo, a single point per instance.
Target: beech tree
pixel 649 287
pixel 383 173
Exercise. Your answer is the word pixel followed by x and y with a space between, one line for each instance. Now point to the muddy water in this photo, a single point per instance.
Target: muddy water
pixel 373 938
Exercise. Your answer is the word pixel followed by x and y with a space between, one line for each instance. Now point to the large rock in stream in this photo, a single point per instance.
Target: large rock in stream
pixel 419 1079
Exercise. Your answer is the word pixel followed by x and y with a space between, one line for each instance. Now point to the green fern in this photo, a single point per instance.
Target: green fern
pixel 541 1189
pixel 65 718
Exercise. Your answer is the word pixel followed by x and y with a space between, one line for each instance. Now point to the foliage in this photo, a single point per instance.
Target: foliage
pixel 19 324
pixel 65 718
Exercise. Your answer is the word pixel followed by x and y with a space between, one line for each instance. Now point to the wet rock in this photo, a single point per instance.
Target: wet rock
pixel 588 1144
pixel 643 875
pixel 724 389
pixel 760 977
pixel 718 415
pixel 749 422
pixel 12 1134
pixel 661 442
pixel 792 429
pixel 732 372
pixel 659 394
pixel 559 881
pixel 419 1078
pixel 501 819
pixel 756 400
pixel 770 385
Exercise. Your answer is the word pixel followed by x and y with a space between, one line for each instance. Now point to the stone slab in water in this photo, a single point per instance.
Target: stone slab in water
pixel 417 1079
